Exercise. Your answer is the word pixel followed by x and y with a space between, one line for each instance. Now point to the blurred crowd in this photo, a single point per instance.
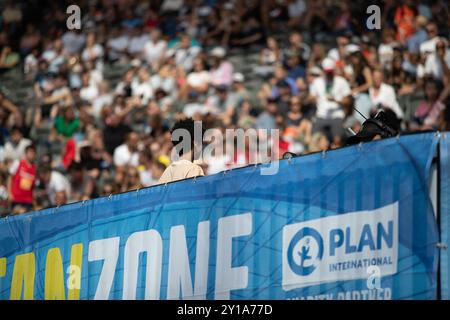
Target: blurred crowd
pixel 316 61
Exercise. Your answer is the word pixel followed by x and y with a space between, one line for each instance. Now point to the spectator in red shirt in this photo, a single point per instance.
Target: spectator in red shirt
pixel 404 19
pixel 22 180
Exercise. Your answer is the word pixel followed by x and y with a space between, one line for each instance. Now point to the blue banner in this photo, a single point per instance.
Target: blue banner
pixel 353 223
pixel 444 148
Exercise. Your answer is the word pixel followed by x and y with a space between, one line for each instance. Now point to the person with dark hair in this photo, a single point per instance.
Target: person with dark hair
pixel 184 167
pixel 115 130
pixel 82 181
pixel 427 113
pixel 15 147
pixel 57 186
pixel 22 180
pixel 360 79
pixel 67 123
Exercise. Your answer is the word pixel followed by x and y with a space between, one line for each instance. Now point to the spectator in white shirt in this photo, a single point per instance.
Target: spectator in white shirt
pixel 54 55
pixel 89 91
pixel 95 75
pixel 142 87
pixel 155 48
pixel 15 148
pixel 386 48
pixel 57 186
pixel 429 46
pixel 382 95
pixel 104 98
pixel 185 53
pixel 165 80
pixel 93 50
pixel 328 91
pixel 437 64
pixel 123 88
pixel 199 78
pixel 127 153
pixel 30 66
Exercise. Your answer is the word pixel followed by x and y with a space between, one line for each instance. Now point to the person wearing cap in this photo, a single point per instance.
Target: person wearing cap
pixel 222 70
pixel 328 91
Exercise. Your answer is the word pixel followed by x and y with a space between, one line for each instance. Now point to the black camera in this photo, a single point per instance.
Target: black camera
pixel 384 124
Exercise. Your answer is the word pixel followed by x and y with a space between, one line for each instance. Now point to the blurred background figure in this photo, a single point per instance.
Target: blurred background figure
pixel 86 113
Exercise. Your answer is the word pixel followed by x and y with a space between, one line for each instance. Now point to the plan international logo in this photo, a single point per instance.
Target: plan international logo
pixel 340 247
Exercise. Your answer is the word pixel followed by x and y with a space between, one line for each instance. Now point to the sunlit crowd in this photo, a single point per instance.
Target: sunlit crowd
pixel 104 97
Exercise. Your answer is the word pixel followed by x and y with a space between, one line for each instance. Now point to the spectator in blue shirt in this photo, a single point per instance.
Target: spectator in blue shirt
pixel 419 36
